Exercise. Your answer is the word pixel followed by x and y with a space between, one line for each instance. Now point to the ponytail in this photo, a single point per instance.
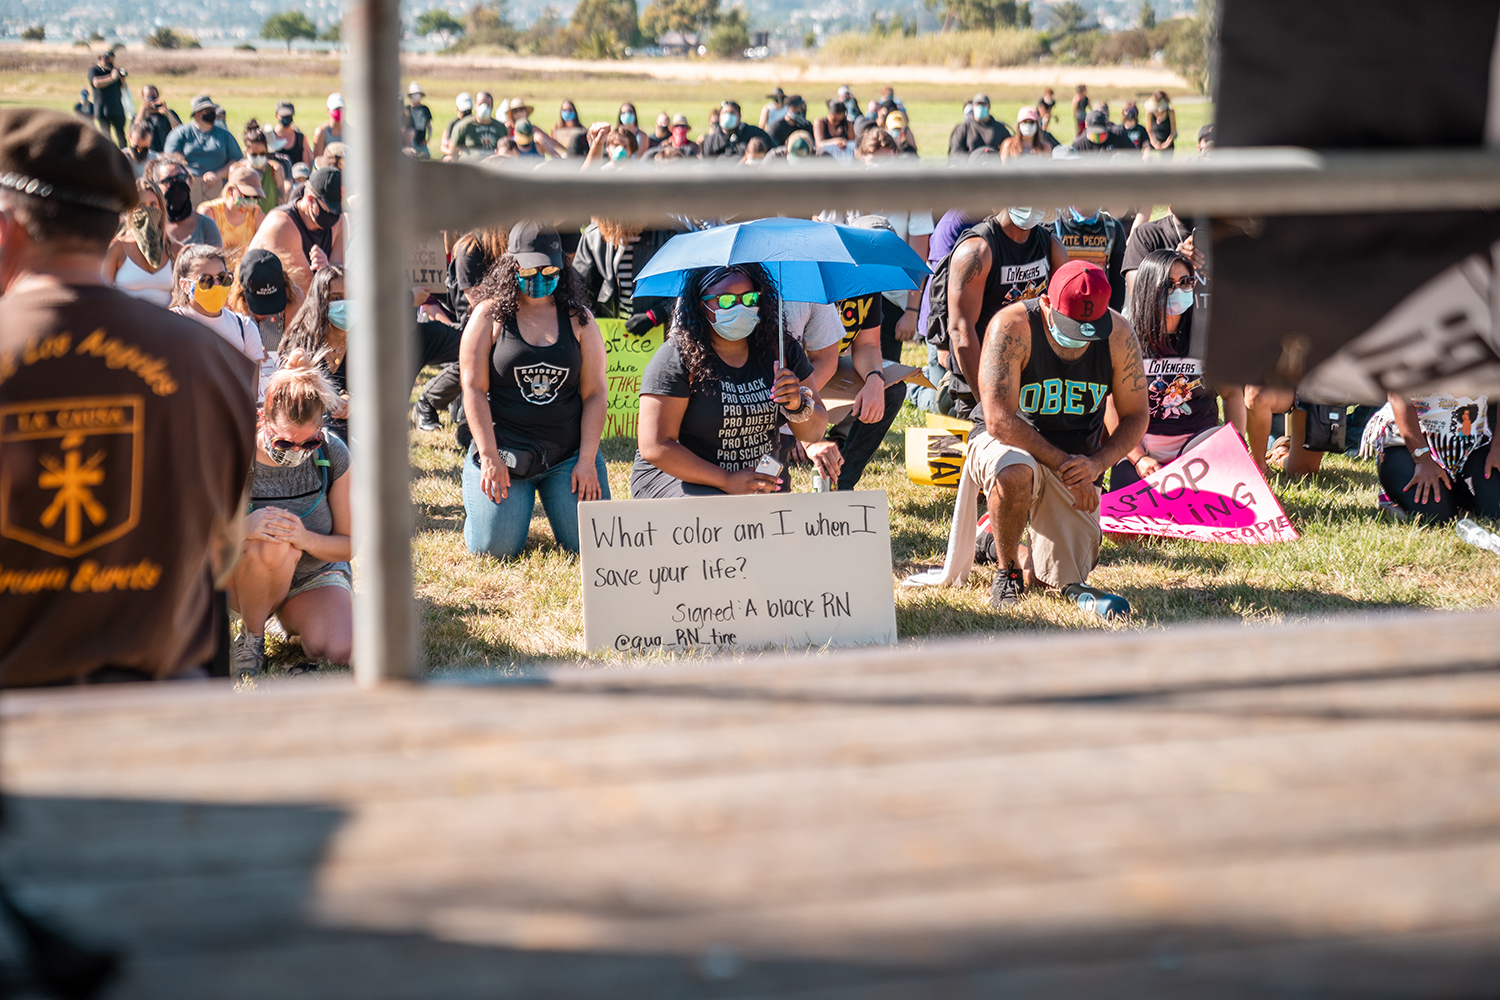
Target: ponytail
pixel 299 391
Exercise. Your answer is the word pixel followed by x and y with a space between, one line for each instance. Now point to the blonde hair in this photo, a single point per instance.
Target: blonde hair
pixel 299 391
pixel 618 233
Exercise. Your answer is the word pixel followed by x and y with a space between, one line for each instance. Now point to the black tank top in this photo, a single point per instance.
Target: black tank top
pixel 1182 401
pixel 1017 271
pixel 310 238
pixel 296 149
pixel 1162 128
pixel 534 397
pixel 1064 400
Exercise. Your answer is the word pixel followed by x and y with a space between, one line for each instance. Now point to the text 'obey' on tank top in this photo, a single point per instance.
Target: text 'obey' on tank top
pixel 1064 400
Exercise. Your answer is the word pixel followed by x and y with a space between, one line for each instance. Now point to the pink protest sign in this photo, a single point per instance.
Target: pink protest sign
pixel 1213 493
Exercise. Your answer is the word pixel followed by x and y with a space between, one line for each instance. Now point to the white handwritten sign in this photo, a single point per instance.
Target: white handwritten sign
pixel 725 572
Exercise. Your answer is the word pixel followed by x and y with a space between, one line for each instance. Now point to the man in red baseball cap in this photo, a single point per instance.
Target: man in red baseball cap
pixel 1040 448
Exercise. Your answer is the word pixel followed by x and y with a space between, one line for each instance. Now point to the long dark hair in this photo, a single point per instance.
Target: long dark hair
pixel 500 289
pixel 1148 300
pixel 694 335
pixel 309 328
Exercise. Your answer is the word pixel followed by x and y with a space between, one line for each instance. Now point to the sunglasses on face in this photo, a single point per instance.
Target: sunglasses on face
pixel 207 281
pixel 311 444
pixel 1186 281
pixel 531 272
pixel 728 299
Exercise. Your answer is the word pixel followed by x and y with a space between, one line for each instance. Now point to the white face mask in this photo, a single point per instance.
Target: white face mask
pixel 482 112
pixel 735 323
pixel 1027 128
pixel 1179 301
pixel 1026 218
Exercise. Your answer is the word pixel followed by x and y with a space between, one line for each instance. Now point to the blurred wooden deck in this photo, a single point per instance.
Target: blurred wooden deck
pixel 1191 813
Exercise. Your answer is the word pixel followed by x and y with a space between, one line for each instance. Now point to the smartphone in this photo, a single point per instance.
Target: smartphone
pixel 769 466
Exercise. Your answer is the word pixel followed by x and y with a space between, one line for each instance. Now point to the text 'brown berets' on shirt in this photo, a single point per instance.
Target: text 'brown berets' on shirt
pixel 126 437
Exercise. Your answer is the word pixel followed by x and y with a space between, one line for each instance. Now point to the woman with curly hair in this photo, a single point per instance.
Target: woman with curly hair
pixel 713 394
pixel 532 358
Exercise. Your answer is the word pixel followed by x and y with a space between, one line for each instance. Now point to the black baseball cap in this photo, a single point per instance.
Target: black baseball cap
pixel 264 282
pixel 328 184
pixel 1097 120
pixel 535 245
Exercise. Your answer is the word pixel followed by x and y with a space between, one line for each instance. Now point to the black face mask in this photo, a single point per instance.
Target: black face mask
pixel 285 120
pixel 179 195
pixel 140 154
pixel 208 119
pixel 323 217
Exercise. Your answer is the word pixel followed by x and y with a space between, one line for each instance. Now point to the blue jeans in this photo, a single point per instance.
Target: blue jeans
pixel 920 396
pixel 500 528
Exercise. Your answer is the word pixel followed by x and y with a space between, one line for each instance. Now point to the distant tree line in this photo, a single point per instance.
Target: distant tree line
pixel 598 29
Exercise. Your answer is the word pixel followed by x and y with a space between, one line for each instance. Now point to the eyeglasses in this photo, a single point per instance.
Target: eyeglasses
pixel 207 281
pixel 728 299
pixel 531 272
pixel 311 444
pixel 1186 281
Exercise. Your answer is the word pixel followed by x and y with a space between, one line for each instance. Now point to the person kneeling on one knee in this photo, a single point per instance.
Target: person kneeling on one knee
pixel 1040 448
pixel 295 559
pixel 532 360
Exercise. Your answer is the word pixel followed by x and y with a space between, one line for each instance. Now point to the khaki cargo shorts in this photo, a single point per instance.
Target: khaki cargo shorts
pixel 1064 540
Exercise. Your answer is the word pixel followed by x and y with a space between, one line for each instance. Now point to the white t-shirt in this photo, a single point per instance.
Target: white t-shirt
pixel 905 225
pixel 814 325
pixel 243 335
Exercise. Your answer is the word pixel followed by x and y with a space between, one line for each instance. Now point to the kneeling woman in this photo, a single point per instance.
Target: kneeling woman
pixel 533 359
pixel 713 395
pixel 1184 406
pixel 1438 455
pixel 295 560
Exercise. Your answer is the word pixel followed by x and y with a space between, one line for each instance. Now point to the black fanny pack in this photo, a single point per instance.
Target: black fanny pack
pixel 522 461
pixel 1327 426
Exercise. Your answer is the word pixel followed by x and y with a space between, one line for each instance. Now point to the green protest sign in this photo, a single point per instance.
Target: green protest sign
pixel 627 355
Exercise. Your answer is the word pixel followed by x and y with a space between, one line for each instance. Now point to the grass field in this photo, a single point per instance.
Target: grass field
pixel 477 612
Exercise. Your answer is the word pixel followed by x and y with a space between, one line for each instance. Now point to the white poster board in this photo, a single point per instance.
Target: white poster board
pixel 735 572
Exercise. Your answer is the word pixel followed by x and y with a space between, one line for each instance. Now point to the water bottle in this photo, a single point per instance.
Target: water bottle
pixel 1477 536
pixel 1099 602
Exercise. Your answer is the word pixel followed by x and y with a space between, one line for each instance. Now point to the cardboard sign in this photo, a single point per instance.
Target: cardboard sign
pixel 839 392
pixel 627 355
pixel 427 264
pixel 803 569
pixel 1213 493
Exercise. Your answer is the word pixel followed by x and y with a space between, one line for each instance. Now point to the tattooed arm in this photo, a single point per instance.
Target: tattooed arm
pixel 1128 392
pixel 970 270
pixel 1007 348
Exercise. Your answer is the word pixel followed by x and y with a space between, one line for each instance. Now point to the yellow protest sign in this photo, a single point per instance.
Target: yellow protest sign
pixel 627 355
pixel 935 453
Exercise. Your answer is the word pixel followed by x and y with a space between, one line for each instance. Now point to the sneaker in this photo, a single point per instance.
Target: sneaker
pixel 424 416
pixel 984 542
pixel 1008 589
pixel 248 654
pixel 1100 602
pixel 1387 509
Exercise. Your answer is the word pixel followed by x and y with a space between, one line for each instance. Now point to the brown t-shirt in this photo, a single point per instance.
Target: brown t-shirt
pixel 126 436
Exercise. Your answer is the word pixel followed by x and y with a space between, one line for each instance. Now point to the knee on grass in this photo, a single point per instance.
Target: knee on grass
pixel 325 642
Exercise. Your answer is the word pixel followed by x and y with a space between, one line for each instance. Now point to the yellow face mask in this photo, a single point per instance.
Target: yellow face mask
pixel 211 300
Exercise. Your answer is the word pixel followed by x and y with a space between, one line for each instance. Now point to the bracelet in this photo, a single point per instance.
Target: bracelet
pixel 804 412
pixel 872 375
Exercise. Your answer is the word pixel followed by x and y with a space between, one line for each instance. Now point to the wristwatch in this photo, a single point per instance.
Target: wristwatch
pixel 803 412
pixel 1420 452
